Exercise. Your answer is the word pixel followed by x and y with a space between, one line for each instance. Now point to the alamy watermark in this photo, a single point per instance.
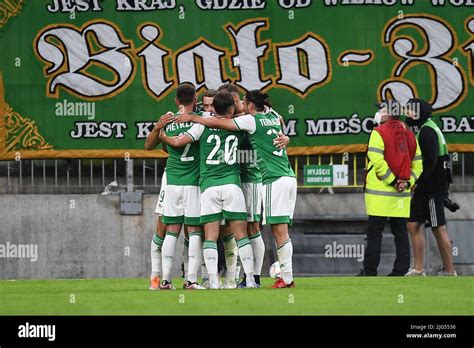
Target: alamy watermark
pixel 344 251
pixel 37 331
pixel 75 109
pixel 397 109
pixel 228 156
pixel 20 251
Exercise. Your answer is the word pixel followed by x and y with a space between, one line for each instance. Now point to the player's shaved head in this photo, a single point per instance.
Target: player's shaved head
pixel 186 94
pixel 224 103
pixel 230 88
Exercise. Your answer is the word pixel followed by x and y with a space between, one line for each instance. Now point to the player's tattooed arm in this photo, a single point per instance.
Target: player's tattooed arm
pixel 153 139
pixel 177 141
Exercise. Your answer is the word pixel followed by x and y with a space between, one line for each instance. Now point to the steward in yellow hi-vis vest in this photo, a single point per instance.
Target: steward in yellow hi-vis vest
pixel 392 155
pixel 393 165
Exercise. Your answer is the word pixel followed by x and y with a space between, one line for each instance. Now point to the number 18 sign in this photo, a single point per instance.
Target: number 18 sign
pixel 326 175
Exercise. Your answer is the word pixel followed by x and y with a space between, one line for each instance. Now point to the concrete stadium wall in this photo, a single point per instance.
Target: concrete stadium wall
pixel 84 236
pixel 78 236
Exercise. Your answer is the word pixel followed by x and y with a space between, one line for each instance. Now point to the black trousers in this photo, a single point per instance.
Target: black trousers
pixel 374 245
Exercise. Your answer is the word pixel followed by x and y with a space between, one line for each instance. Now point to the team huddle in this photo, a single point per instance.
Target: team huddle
pixel 225 163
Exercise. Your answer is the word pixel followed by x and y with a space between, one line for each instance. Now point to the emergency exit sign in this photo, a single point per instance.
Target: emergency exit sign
pixel 326 175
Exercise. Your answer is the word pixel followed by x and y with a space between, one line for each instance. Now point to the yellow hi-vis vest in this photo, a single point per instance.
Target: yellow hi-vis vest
pixel 381 198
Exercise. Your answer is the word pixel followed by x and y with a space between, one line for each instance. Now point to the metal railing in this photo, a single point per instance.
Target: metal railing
pixel 80 175
pixel 93 175
pixel 462 168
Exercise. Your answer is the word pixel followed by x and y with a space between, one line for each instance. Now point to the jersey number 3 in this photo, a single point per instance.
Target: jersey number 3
pixel 276 153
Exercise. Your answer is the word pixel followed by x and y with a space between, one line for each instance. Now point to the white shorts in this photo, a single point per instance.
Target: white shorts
pixel 182 205
pixel 279 200
pixel 253 200
pixel 225 201
pixel 161 196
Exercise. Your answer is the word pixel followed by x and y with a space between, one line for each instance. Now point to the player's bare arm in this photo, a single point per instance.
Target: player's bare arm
pixel 281 141
pixel 210 122
pixel 177 141
pixel 153 139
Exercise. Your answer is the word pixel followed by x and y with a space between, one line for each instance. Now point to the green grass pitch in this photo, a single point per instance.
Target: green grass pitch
pixel 312 296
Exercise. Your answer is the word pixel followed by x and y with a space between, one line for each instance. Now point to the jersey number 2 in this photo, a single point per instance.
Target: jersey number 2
pixel 184 156
pixel 229 150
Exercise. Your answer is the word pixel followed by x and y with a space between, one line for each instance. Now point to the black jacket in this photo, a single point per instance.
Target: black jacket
pixel 435 177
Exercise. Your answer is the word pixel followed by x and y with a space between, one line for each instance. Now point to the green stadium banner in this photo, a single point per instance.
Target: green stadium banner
pixel 88 78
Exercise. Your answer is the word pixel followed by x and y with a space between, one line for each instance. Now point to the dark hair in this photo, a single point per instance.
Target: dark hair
pixel 267 101
pixel 185 93
pixel 210 93
pixel 222 102
pixel 230 88
pixel 259 99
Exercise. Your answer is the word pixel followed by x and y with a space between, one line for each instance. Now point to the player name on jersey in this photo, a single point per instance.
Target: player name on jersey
pixel 269 122
pixel 176 126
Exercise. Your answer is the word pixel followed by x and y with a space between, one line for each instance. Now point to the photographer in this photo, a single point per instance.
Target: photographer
pixel 431 190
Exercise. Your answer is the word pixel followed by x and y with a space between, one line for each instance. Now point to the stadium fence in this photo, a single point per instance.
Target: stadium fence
pixel 93 175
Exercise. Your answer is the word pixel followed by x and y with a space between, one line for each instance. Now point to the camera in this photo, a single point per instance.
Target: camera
pixel 450 205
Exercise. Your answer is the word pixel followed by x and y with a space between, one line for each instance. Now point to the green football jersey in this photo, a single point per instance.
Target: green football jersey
pixel 249 170
pixel 182 166
pixel 263 129
pixel 219 163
